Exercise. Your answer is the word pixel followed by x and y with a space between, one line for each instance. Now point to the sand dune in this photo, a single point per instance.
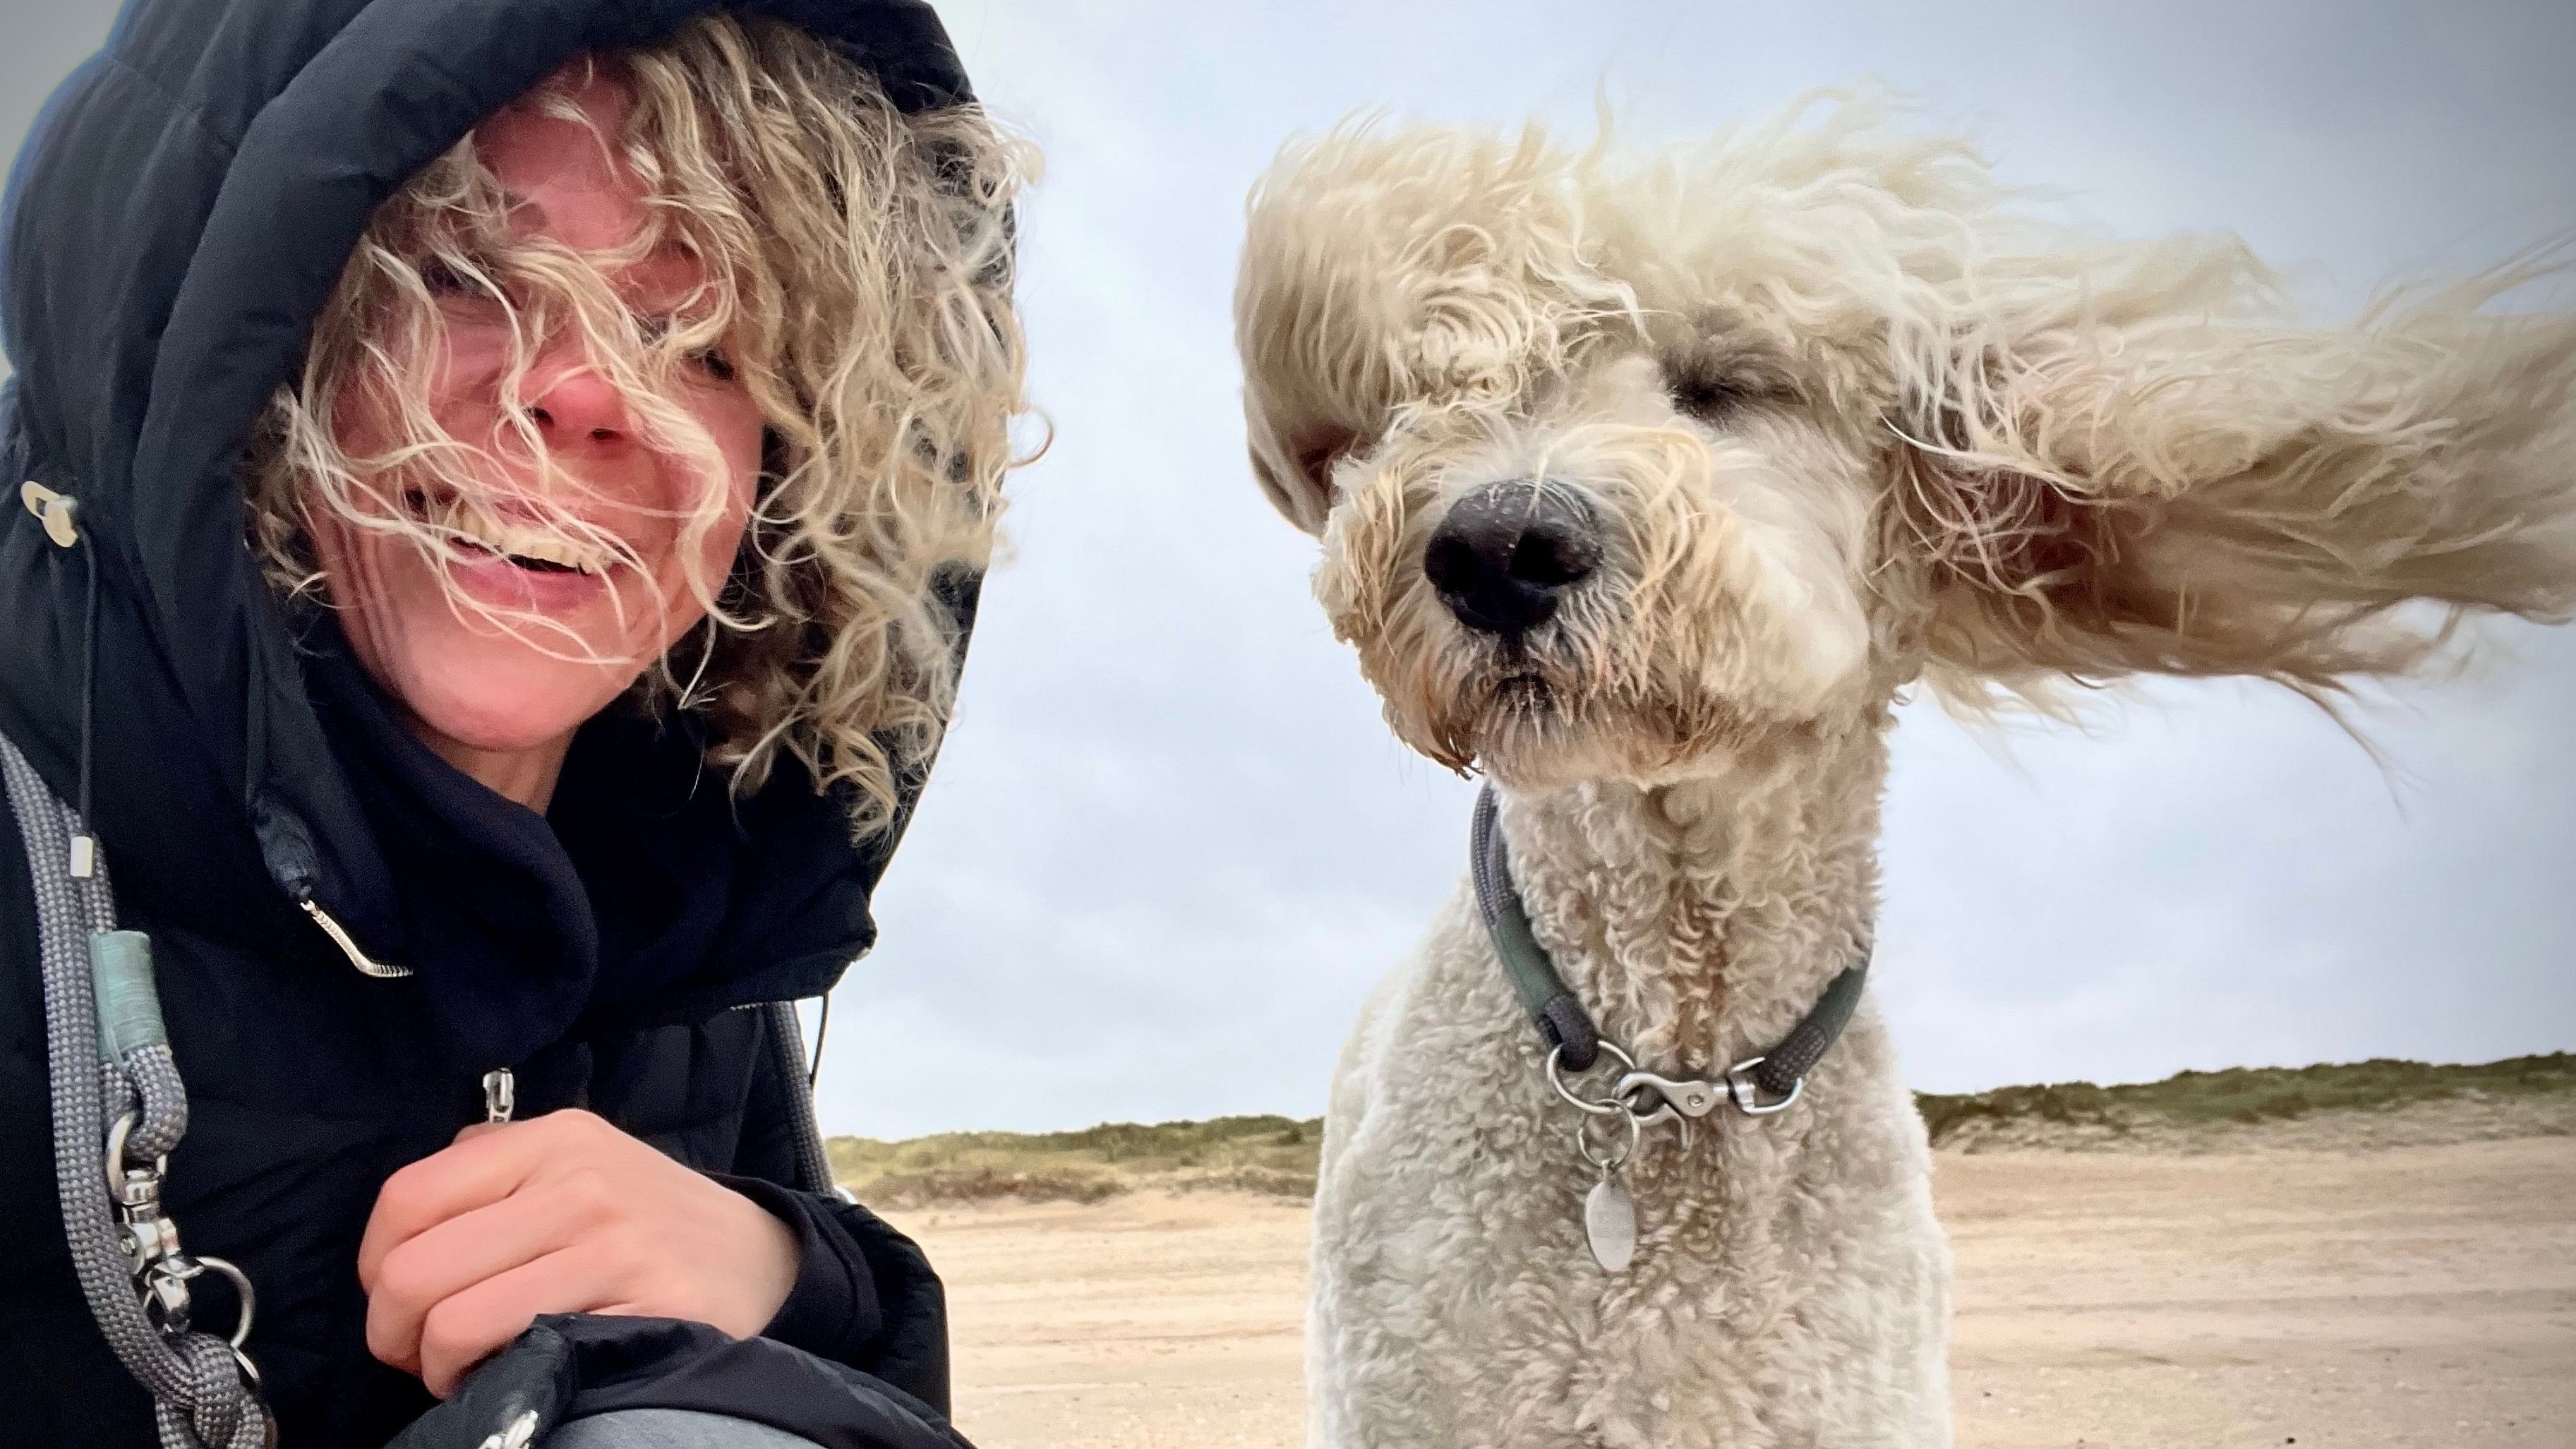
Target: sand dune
pixel 2407 1295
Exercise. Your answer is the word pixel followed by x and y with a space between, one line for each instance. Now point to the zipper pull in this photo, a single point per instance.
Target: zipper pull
pixel 348 944
pixel 500 1095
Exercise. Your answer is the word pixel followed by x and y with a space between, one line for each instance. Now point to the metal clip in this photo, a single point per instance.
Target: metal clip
pixel 135 1189
pixel 165 1296
pixel 144 1233
pixel 1748 1093
pixel 161 1269
pixel 164 1286
pixel 1683 1095
pixel 150 1237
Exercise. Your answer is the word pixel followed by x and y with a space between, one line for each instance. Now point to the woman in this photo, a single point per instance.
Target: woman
pixel 509 484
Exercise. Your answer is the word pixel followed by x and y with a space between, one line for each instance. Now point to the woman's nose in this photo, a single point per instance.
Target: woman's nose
pixel 574 407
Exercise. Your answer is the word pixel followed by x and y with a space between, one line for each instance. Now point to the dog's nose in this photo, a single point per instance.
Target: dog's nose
pixel 1507 552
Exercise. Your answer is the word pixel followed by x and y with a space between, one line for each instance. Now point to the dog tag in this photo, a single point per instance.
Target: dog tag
pixel 1610 1223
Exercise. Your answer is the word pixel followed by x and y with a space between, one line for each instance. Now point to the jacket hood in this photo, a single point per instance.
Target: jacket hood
pixel 178 218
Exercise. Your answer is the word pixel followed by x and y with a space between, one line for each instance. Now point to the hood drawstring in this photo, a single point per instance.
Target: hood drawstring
pixel 85 844
pixel 59 512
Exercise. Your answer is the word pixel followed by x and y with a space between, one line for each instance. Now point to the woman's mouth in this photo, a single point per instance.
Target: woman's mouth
pixel 512 565
pixel 477 533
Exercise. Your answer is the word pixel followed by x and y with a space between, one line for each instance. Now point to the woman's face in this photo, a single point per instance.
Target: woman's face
pixel 580 628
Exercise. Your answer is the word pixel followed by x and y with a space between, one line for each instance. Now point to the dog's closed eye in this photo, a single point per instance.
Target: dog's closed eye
pixel 1710 381
pixel 1708 399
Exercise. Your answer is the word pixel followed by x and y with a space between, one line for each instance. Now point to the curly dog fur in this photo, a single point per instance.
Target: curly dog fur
pixel 1843 420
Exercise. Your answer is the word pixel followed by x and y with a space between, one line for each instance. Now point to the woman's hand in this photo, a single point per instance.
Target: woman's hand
pixel 558 1214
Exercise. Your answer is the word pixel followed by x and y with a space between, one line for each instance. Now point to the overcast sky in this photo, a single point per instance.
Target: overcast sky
pixel 1170 844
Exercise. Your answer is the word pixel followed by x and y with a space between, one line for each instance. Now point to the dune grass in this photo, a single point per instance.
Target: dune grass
pixel 1252 1154
pixel 2248 1095
pixel 1276 1155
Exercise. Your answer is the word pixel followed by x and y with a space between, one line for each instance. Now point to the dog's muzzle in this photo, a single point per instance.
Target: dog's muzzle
pixel 1506 554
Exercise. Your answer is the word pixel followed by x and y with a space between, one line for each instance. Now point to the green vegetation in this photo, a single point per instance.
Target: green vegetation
pixel 1249 1154
pixel 1277 1155
pixel 2244 1095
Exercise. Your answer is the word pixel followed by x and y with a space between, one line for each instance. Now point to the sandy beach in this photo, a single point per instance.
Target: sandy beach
pixel 2329 1299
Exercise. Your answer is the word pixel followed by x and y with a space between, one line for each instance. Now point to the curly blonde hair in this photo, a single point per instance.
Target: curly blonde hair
pixel 858 266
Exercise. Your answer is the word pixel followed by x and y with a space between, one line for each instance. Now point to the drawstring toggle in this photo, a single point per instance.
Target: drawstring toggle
pixel 52 509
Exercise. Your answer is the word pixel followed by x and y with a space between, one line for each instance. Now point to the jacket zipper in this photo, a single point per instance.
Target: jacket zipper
pixel 500 1095
pixel 500 1085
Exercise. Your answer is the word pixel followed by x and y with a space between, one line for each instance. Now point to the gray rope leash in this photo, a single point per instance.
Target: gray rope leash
pixel 116 1090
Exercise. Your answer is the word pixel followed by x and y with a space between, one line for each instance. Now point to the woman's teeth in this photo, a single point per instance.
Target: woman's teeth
pixel 522 545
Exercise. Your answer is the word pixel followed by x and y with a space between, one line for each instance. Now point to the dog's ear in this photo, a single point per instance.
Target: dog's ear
pixel 2132 461
pixel 1293 458
pixel 1395 271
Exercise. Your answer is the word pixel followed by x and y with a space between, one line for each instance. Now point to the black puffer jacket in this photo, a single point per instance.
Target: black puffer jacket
pixel 179 217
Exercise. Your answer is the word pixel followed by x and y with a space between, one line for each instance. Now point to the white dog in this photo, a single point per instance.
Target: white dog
pixel 1645 486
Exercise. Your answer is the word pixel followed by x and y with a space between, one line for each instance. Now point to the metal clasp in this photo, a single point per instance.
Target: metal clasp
pixel 162 1269
pixel 165 1296
pixel 145 1234
pixel 1748 1093
pixel 1690 1098
pixel 1683 1095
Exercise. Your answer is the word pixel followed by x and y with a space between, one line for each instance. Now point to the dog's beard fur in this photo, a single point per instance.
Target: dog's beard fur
pixel 1551 710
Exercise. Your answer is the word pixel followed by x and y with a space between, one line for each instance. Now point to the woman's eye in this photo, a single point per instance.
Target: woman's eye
pixel 458 280
pixel 713 361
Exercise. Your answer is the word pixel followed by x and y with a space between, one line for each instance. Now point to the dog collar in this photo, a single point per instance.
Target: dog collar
pixel 1757 1085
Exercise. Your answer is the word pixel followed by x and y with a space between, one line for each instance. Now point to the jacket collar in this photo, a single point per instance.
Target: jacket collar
pixel 647 891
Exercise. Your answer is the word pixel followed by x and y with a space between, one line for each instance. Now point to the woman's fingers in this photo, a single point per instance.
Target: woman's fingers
pixel 560 1214
pixel 484 1165
pixel 449 1257
pixel 465 1328
pixel 468 1175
